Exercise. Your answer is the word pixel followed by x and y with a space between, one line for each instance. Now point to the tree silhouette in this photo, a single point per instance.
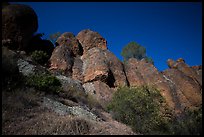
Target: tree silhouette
pixel 53 37
pixel 134 50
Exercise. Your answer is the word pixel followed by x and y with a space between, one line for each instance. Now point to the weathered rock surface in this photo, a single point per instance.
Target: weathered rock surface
pixel 95 65
pixel 18 26
pixel 28 68
pixel 117 75
pixel 61 109
pixel 69 39
pixel 90 39
pixel 100 91
pixel 77 72
pixel 178 85
pixel 133 76
pixel 62 60
pixel 187 90
pixel 68 83
pixel 188 71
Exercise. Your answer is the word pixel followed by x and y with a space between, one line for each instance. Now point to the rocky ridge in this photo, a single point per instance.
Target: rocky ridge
pixel 83 62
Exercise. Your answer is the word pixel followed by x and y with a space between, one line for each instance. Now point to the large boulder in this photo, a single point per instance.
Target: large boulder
pixel 67 38
pixel 90 39
pixel 62 60
pixel 95 65
pixel 19 23
pixel 103 65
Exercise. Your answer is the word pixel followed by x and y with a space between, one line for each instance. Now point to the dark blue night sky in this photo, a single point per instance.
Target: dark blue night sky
pixel 165 29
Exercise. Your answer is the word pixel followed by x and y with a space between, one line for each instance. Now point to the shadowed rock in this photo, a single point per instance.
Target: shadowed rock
pixel 19 22
pixel 62 60
pixel 69 39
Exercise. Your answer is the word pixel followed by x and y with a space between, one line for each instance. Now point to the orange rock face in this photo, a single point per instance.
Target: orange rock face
pixel 90 39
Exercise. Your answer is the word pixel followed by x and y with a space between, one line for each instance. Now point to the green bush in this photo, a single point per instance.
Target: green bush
pixel 187 123
pixel 144 109
pixel 140 108
pixel 44 82
pixel 40 57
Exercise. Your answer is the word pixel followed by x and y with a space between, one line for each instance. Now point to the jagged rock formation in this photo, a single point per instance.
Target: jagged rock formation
pixel 98 67
pixel 84 66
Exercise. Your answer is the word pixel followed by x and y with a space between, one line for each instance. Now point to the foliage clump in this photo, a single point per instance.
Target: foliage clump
pixel 138 107
pixel 39 56
pixel 145 110
pixel 44 82
pixel 134 50
pixel 187 123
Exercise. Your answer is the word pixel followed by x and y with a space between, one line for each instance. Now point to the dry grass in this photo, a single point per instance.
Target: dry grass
pixel 23 114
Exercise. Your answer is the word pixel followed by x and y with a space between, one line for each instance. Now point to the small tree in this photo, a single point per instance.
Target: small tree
pixel 53 37
pixel 134 50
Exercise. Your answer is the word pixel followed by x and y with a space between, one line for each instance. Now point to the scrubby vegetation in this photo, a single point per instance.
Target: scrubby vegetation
pixel 44 82
pixel 39 56
pixel 188 123
pixel 144 109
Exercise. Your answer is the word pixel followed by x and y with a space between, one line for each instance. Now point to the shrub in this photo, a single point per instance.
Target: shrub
pixel 188 123
pixel 40 57
pixel 140 108
pixel 44 82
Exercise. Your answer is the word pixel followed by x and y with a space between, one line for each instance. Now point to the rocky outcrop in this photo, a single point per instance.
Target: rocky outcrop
pixel 69 39
pixel 62 60
pixel 187 90
pixel 63 110
pixel 95 65
pixel 178 85
pixel 68 84
pixel 18 26
pixel 143 73
pixel 100 91
pixel 90 39
pixel 117 75
pixel 103 65
pixel 133 76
